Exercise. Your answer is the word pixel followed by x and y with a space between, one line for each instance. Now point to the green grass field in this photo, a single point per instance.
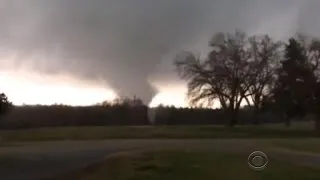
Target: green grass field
pixel 192 165
pixel 142 132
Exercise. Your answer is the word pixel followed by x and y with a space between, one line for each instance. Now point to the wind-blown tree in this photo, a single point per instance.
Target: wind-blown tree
pixel 265 55
pixel 223 76
pixel 296 84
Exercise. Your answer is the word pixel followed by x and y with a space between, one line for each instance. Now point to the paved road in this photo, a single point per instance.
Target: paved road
pixel 39 160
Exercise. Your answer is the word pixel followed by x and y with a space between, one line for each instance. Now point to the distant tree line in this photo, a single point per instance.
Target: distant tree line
pixel 120 115
pixel 126 112
pixel 123 111
pixel 206 116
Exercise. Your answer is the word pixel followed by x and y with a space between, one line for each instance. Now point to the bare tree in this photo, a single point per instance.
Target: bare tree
pixel 265 56
pixel 223 75
pixel 201 85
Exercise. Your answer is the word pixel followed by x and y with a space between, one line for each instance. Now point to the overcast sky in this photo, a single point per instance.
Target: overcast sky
pixel 130 44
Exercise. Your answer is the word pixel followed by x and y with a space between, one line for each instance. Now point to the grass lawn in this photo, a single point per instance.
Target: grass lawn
pixel 135 132
pixel 192 165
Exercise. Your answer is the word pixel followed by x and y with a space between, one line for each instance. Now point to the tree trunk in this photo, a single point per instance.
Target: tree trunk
pixel 233 116
pixel 287 121
pixel 256 111
pixel 234 119
pixel 223 102
pixel 247 101
pixel 256 120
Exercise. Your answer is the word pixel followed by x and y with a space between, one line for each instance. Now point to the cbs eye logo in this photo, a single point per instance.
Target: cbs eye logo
pixel 257 161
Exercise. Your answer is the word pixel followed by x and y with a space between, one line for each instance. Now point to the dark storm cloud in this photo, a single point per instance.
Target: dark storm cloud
pixel 128 42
